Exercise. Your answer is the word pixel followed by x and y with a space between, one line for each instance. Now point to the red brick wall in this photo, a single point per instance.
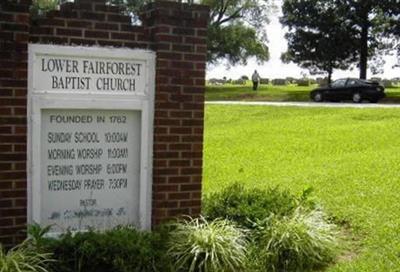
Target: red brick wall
pixel 88 22
pixel 14 34
pixel 176 32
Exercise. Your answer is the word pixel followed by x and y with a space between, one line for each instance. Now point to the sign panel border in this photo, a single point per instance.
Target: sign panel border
pixel 47 99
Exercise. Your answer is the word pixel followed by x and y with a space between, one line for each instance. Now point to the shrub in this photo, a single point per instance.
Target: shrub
pixel 395 80
pixel 290 80
pixel 239 82
pixel 279 82
pixel 122 249
pixel 264 81
pixel 215 246
pixel 23 258
pixel 40 7
pixel 387 83
pixel 246 205
pixel 303 82
pixel 216 81
pixel 301 241
pixel 376 79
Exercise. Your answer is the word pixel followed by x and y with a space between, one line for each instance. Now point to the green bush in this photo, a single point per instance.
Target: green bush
pixel 122 249
pixel 247 205
pixel 239 82
pixel 376 79
pixel 23 258
pixel 287 232
pixel 279 82
pixel 387 83
pixel 215 246
pixel 301 241
pixel 303 82
pixel 40 7
pixel 247 229
pixel 290 80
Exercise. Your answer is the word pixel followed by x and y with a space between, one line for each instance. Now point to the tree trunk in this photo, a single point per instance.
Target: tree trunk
pixel 364 51
pixel 330 71
pixel 329 77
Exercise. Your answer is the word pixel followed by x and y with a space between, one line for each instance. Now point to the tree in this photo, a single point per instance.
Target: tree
pixel 43 6
pixel 369 19
pixel 393 27
pixel 364 22
pixel 317 38
pixel 235 30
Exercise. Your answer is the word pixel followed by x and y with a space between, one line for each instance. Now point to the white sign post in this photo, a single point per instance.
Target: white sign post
pixel 90 129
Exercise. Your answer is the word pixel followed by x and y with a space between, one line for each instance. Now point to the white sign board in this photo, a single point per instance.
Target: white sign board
pixel 83 74
pixel 90 137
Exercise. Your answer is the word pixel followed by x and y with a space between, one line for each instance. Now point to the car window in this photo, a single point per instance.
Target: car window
pixel 339 83
pixel 352 82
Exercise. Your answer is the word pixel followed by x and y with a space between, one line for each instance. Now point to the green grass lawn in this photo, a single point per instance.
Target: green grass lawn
pixel 274 93
pixel 351 157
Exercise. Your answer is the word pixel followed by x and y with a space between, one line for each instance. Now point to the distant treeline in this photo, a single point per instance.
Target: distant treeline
pixel 295 81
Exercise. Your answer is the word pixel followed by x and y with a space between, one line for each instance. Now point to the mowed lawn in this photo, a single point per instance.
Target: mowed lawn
pixel 275 93
pixel 351 157
pixel 264 92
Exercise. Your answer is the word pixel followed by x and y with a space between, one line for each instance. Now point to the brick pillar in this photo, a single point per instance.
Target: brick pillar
pixel 178 33
pixel 14 34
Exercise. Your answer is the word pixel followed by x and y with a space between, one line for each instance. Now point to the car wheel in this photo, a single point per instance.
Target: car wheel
pixel 357 98
pixel 318 97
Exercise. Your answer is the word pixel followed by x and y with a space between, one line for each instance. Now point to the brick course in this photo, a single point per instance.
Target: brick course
pixel 175 31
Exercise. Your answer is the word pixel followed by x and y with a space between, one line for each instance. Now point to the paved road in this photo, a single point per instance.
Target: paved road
pixel 305 104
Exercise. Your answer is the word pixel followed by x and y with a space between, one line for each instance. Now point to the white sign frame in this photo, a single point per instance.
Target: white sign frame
pixel 48 99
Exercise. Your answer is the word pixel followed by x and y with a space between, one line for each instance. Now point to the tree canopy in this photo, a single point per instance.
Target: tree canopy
pixel 317 38
pixel 235 31
pixel 393 27
pixel 363 25
pixel 369 18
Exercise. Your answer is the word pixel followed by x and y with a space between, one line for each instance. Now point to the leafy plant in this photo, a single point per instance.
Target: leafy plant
pixel 37 235
pixel 301 241
pixel 123 249
pixel 23 258
pixel 40 7
pixel 200 245
pixel 246 205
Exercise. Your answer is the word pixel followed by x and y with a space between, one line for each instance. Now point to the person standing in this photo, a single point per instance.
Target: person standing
pixel 256 79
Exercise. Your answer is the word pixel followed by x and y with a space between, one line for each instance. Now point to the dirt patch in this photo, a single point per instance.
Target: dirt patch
pixel 352 244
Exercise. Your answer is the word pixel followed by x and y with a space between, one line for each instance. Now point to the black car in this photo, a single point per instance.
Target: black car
pixel 353 89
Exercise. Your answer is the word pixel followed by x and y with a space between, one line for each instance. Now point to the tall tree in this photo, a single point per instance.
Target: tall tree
pixel 318 39
pixel 369 19
pixel 40 6
pixel 393 27
pixel 362 21
pixel 236 28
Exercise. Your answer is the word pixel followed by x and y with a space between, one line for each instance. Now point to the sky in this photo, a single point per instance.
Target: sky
pixel 274 68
